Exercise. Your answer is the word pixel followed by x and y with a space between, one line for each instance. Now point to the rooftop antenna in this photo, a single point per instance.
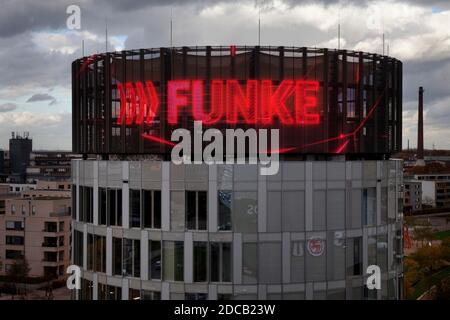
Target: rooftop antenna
pixel 171 27
pixel 106 34
pixel 408 145
pixel 339 29
pixel 82 48
pixel 259 24
pixel 383 43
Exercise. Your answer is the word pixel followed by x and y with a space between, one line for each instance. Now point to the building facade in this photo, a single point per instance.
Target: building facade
pixel 147 228
pixel 435 189
pixel 412 195
pixel 37 228
pixel 19 154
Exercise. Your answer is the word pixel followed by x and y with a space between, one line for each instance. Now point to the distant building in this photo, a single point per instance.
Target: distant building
pixel 412 200
pixel 37 226
pixel 435 189
pixel 50 165
pixel 2 162
pixel 19 153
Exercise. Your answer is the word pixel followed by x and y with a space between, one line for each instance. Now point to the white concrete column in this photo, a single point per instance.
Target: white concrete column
pixel 95 194
pixel 77 188
pixel 237 258
pixel 212 292
pixel 165 291
pixel 165 196
pixel 286 257
pixel 109 251
pixel 125 205
pixel 125 289
pixel 95 287
pixel 85 246
pixel 144 255
pixel 212 198
pixel 308 197
pixel 262 202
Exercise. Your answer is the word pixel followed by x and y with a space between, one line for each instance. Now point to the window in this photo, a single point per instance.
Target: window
pixel 200 261
pixel 173 259
pixel 220 262
pixel 131 254
pixel 15 240
pixel 51 242
pixel 245 218
pixel 86 289
pixel 102 206
pixel 224 211
pixel 86 204
pixel 369 203
pixel 113 293
pixel 154 256
pixel 96 254
pixel 196 204
pixel 13 209
pixel 114 200
pixel 135 208
pixel 195 296
pixel 50 227
pixel 249 263
pixel 117 256
pixel 354 256
pixel 15 225
pixel 150 295
pixel 24 210
pixel 13 254
pixel 151 206
pixel 134 294
pixel 297 261
pixel 269 262
pixel 78 248
pixel 61 226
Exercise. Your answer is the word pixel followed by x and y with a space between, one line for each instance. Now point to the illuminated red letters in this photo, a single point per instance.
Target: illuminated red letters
pixel 292 102
pixel 147 98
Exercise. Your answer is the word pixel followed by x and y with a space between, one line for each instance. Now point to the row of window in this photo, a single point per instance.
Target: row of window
pixel 315 259
pixel 238 210
pixel 357 291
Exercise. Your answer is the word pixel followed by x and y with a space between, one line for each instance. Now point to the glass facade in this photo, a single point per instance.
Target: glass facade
pixel 232 234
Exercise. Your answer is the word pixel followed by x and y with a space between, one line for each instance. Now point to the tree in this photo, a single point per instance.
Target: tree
pixel 423 232
pixel 443 290
pixel 18 272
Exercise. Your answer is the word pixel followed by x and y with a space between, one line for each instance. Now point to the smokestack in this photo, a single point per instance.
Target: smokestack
pixel 419 157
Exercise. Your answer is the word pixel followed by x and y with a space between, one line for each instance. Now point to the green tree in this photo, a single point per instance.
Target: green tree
pixel 443 290
pixel 18 272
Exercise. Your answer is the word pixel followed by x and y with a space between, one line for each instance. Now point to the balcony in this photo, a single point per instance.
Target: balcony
pixel 49 244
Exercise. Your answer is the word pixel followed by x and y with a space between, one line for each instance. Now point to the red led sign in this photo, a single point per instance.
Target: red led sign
pixel 256 102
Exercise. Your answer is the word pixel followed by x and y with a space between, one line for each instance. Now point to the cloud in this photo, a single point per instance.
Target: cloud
pixel 42 97
pixel 6 107
pixel 38 49
pixel 48 130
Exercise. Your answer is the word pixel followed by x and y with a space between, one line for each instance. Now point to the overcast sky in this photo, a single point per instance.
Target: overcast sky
pixel 36 48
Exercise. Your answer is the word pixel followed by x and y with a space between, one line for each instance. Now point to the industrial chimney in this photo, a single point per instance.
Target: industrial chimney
pixel 419 157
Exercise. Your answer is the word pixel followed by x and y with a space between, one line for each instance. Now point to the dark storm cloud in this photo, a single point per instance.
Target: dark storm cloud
pixel 41 97
pixel 6 107
pixel 18 16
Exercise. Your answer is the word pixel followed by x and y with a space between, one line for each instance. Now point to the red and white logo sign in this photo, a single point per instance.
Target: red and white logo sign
pixel 315 246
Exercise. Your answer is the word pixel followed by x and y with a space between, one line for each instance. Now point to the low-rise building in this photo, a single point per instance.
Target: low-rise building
pixel 37 227
pixel 435 189
pixel 412 200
